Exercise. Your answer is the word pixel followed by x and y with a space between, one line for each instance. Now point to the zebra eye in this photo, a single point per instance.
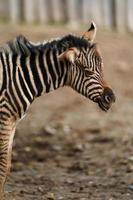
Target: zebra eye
pixel 88 73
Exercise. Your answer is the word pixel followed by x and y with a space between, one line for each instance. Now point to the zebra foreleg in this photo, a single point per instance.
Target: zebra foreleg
pixel 7 130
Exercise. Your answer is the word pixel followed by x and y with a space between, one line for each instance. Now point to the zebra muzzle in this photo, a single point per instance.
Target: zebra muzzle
pixel 105 107
pixel 107 99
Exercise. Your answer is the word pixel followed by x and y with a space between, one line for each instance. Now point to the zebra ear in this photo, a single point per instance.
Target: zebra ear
pixel 69 54
pixel 91 33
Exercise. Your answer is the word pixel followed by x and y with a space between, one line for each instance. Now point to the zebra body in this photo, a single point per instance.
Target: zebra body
pixel 29 70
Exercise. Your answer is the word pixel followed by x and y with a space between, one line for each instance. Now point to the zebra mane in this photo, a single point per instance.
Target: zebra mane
pixel 22 46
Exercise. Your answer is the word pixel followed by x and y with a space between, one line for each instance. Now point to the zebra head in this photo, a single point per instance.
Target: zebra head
pixel 86 71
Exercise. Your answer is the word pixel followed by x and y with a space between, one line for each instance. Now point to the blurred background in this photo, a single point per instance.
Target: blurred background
pixel 116 14
pixel 66 148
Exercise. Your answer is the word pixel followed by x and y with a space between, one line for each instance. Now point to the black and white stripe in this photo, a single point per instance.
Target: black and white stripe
pixel 29 70
pixel 87 75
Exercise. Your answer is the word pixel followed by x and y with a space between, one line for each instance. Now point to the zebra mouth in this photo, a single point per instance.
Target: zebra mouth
pixel 104 106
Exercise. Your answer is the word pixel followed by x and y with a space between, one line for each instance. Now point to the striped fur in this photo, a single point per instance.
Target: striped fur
pixel 28 70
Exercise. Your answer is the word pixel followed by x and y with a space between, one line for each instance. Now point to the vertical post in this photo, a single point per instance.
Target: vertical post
pixel 73 7
pixel 97 11
pixel 15 9
pixel 45 11
pixel 58 10
pixel 4 9
pixel 121 14
pixel 108 14
pixel 86 11
pixel 43 6
pixel 93 11
pixel 130 15
pixel 30 10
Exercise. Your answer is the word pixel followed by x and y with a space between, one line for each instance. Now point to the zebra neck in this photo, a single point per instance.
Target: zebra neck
pixel 47 71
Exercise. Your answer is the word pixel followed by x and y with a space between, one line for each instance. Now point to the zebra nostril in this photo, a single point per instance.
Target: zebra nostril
pixel 107 98
pixel 108 95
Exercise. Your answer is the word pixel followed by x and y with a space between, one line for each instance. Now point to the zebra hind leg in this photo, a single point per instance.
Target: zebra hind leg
pixel 7 129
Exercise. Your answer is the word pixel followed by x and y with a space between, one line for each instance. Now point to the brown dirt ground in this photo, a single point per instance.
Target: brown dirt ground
pixel 66 148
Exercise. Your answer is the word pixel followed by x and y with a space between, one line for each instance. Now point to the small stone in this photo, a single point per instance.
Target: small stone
pixel 69 181
pixel 130 168
pixel 130 158
pixel 50 196
pixel 40 189
pixel 27 149
pixel 78 147
pixel 130 186
pixel 50 130
pixel 57 147
pixel 60 198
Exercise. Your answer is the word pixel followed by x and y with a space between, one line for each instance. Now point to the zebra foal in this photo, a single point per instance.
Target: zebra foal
pixel 28 70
